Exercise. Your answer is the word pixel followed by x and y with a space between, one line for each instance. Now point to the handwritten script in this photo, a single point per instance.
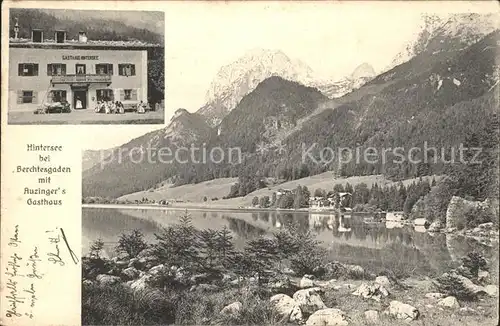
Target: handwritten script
pixel 27 265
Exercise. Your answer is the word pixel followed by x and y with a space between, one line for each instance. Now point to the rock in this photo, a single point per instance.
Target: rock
pixel 158 269
pixel 383 280
pixel 87 282
pixel 403 311
pixel 371 316
pixel 467 311
pixel 491 290
pixel 449 302
pixel 309 300
pixel 142 283
pixel 134 262
pixel 232 310
pixel 371 291
pixel 331 284
pixel 288 271
pixel 355 271
pixel 483 276
pixel 130 273
pixel 105 279
pixel 462 283
pixel 306 282
pixel 121 263
pixel 286 308
pixel 282 284
pixel 328 316
pixel 434 295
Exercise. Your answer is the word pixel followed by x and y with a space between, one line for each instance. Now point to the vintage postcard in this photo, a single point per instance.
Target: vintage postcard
pixel 319 163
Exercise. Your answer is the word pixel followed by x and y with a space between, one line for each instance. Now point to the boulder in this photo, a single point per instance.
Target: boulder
pixel 142 283
pixel 286 308
pixel 449 302
pixel 280 285
pixel 491 290
pixel 383 280
pixel 461 283
pixel 309 300
pixel 483 276
pixel 130 273
pixel 484 227
pixel 371 291
pixel 232 310
pixel 371 316
pixel 403 311
pixel 87 282
pixel 306 282
pixel 105 279
pixel 328 316
pixel 434 295
pixel 467 311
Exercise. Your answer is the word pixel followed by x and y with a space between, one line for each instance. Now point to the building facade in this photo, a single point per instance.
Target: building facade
pixel 81 72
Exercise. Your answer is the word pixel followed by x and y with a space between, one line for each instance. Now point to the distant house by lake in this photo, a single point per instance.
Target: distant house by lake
pixel 394 216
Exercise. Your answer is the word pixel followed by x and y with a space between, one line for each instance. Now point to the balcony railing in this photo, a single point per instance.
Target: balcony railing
pixel 71 79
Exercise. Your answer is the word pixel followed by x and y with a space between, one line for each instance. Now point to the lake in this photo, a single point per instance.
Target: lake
pixel 385 245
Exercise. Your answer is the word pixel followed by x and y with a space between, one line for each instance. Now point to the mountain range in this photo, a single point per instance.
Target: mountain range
pixel 445 91
pixel 242 76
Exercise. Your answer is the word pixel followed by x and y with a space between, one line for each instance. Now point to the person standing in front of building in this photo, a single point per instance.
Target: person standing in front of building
pixel 79 104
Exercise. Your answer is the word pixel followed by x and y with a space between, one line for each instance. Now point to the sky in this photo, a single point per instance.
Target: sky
pixel 333 38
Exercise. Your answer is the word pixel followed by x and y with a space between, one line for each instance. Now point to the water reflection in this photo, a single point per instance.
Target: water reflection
pixel 350 239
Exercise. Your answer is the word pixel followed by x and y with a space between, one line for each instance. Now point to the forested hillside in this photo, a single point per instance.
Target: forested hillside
pixel 440 98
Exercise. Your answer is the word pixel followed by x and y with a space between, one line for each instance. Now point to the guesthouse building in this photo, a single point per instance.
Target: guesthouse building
pixel 49 67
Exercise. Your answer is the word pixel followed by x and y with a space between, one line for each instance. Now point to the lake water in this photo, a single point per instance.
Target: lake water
pixel 381 245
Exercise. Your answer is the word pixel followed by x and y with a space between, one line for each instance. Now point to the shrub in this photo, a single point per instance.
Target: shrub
pixel 255 201
pixel 96 248
pixel 131 244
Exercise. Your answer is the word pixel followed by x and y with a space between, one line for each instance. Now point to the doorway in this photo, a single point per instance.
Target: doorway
pixel 80 99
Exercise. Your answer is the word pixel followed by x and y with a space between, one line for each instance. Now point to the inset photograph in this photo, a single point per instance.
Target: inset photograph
pixel 86 67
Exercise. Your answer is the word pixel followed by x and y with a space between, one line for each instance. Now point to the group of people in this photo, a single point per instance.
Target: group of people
pixel 109 107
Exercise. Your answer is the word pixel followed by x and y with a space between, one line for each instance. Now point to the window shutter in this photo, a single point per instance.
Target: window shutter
pixel 133 95
pixel 35 69
pixel 122 94
pixel 34 99
pixel 110 69
pixel 19 97
pixel 132 70
pixel 49 69
pixel 64 96
pixel 50 96
pixel 20 69
pixel 63 69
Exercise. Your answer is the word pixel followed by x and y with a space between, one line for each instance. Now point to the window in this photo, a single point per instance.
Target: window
pixel 126 69
pixel 56 69
pixel 104 68
pixel 105 95
pixel 26 96
pixel 58 96
pixel 37 36
pixel 60 36
pixel 128 94
pixel 28 69
pixel 80 69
